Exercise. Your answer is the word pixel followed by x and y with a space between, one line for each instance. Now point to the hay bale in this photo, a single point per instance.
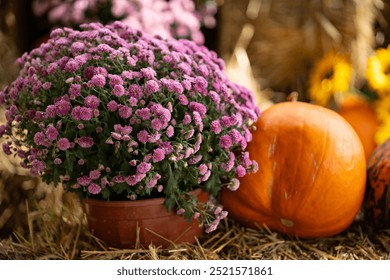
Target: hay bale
pixel 382 30
pixel 290 35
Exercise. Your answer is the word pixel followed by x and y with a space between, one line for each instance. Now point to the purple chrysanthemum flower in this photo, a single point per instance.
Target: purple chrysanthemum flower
pixel 200 84
pixel 37 166
pixel 158 155
pixel 185 68
pixel 52 68
pixel 143 113
pixel 151 183
pixel 125 112
pixel 203 169
pixel 230 164
pixel 6 148
pixel 198 107
pixel 46 85
pixel 167 147
pixel 135 91
pixel 228 121
pixel 94 174
pixel 62 107
pixel 50 111
pixel 195 159
pixel 225 142
pixel 94 188
pixel 170 131
pixel 187 119
pixel 51 133
pixel 180 211
pixel 206 176
pixel 215 97
pixel 85 142
pixel 216 126
pixel 91 101
pixel 63 144
pixel 97 81
pixel 143 136
pixel 199 140
pixel 157 124
pixel 143 167
pixel 71 66
pixel 198 120
pixel 39 138
pixel 236 136
pixel 234 184
pixel 112 106
pixel 77 47
pixel 189 133
pixel 240 171
pixel 133 101
pixel 148 73
pixel 131 180
pixel 100 71
pixel 86 114
pixel 246 162
pixel 255 167
pixel 76 113
pixel 119 179
pixel 183 99
pixel 118 90
pixel 152 86
pixel 116 135
pixel 115 80
pixel 74 90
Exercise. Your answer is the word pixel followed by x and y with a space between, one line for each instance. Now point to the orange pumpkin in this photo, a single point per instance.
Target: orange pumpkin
pixel 311 177
pixel 378 186
pixel 362 117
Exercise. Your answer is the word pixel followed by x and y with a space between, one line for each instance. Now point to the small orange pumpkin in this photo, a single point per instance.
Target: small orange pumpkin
pixel 378 186
pixel 311 177
pixel 362 117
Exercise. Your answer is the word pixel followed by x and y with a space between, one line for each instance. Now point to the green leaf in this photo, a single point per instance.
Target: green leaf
pixel 105 193
pixel 120 188
pixel 171 186
pixel 170 203
pixel 69 162
pixel 213 184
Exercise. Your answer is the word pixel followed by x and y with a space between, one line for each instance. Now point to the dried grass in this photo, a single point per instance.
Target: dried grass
pixel 52 236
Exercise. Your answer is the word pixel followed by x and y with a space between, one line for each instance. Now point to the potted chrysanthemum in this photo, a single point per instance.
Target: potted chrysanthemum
pixel 112 113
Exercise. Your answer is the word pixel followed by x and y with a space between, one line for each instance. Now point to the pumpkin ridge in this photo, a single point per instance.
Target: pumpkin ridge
pixel 318 163
pixel 286 219
pixel 300 211
pixel 276 188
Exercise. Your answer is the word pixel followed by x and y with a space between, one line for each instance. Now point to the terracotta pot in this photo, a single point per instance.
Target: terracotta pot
pixel 129 224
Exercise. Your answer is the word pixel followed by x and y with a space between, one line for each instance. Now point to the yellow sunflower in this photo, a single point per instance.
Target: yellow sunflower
pixel 383 113
pixel 378 75
pixel 330 75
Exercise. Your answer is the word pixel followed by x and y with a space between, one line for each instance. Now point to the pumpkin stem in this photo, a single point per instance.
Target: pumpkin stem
pixel 293 96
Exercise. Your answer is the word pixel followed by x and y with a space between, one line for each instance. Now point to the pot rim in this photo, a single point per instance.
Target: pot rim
pixel 138 202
